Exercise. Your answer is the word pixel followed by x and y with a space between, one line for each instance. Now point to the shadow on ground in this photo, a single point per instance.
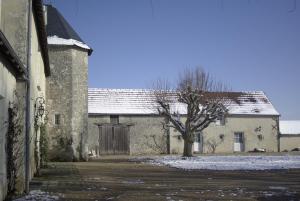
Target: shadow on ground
pixel 122 179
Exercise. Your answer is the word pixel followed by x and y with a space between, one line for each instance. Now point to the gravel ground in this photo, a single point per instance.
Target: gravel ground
pixel 118 178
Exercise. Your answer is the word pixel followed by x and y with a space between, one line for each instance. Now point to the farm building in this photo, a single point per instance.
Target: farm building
pixel 126 121
pixel 289 135
pixel 24 68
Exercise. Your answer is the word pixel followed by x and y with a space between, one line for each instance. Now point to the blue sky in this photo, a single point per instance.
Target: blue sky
pixel 247 44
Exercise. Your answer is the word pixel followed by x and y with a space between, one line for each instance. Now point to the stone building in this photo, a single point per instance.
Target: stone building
pixel 289 135
pixel 66 89
pixel 24 66
pixel 251 124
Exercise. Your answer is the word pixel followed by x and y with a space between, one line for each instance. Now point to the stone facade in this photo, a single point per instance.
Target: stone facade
pixel 7 88
pixel 67 100
pixel 146 133
pixel 260 132
pixel 289 142
pixel 14 25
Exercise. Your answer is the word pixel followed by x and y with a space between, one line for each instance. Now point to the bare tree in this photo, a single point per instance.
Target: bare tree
pixel 197 96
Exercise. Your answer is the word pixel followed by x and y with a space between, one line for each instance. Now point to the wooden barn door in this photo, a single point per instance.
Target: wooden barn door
pixel 113 139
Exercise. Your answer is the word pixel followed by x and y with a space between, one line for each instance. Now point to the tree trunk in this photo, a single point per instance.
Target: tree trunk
pixel 187 150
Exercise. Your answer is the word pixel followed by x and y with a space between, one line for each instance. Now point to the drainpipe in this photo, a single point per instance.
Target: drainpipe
pixel 28 108
pixel 278 134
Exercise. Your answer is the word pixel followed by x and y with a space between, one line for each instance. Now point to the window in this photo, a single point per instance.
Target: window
pixel 57 119
pixel 239 137
pixel 114 119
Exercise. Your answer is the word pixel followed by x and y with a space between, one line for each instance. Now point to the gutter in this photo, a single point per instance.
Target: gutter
pixel 278 134
pixel 17 67
pixel 28 108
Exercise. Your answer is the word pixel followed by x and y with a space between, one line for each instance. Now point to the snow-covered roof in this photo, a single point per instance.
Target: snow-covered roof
pixel 60 32
pixel 142 101
pixel 289 127
pixel 55 40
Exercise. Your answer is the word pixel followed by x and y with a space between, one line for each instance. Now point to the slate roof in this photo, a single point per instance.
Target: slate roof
pixel 289 127
pixel 142 102
pixel 60 32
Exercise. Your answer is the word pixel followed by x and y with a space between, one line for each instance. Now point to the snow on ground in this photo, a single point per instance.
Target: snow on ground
pixel 228 162
pixel 38 195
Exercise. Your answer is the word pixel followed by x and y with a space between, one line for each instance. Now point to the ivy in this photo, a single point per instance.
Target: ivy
pixel 14 143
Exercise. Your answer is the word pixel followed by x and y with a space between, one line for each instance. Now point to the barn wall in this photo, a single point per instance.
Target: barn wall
pixel 144 132
pixel 289 142
pixel 248 125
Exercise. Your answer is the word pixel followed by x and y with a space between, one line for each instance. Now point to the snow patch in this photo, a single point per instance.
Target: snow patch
pixel 228 162
pixel 35 195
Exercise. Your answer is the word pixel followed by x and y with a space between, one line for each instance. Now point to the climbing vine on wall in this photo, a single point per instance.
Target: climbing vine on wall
pixel 43 146
pixel 41 141
pixel 14 143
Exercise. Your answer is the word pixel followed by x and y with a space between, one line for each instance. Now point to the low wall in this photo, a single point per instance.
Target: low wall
pixel 289 142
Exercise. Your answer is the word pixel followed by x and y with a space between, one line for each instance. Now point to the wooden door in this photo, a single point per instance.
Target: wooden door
pixel 113 139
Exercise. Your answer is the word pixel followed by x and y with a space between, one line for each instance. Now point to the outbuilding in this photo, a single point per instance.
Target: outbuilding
pixel 251 124
pixel 289 135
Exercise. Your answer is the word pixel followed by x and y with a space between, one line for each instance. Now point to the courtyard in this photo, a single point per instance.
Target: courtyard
pixel 125 178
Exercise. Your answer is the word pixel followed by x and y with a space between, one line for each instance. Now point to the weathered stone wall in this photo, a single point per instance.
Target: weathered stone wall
pixel 79 102
pixel 289 142
pixel 67 96
pixel 252 127
pixel 7 87
pixel 59 101
pixel 144 132
pixel 93 131
pixel 37 90
pixel 14 24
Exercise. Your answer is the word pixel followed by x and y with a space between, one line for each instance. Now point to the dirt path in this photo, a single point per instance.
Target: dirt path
pixel 120 179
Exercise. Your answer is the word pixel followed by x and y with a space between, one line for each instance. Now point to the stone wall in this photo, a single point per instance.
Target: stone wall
pixel 79 102
pixel 147 128
pixel 14 25
pixel 67 97
pixel 252 128
pixel 144 132
pixel 59 102
pixel 289 142
pixel 7 87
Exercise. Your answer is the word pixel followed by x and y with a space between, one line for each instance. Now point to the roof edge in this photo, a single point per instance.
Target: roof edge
pixel 55 40
pixel 12 57
pixel 38 13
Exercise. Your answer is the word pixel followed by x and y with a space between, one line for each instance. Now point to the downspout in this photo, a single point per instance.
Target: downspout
pixel 28 108
pixel 278 135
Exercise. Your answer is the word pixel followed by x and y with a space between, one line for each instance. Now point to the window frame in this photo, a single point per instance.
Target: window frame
pixel 57 121
pixel 240 138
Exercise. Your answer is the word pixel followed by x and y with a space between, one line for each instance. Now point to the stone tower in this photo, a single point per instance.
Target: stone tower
pixel 67 89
